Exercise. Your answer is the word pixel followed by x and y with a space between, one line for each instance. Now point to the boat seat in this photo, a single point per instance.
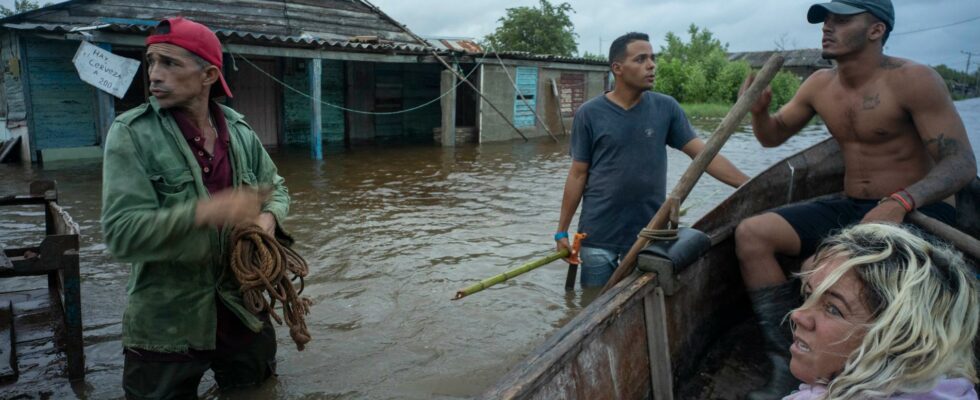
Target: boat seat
pixel 669 257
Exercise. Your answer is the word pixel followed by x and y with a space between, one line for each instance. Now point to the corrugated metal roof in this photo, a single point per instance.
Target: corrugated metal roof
pixel 465 45
pixel 794 58
pixel 523 55
pixel 305 40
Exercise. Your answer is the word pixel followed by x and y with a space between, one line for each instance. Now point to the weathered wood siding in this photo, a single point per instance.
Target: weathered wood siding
pixel 421 85
pixel 62 107
pixel 387 87
pixel 328 19
pixel 15 105
pixel 297 107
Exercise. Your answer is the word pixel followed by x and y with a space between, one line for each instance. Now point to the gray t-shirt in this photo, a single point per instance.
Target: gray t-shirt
pixel 627 160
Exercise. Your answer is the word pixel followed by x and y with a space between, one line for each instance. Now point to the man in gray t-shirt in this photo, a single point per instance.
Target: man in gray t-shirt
pixel 619 160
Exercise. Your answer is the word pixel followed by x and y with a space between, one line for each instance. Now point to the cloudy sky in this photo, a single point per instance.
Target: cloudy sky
pixel 744 24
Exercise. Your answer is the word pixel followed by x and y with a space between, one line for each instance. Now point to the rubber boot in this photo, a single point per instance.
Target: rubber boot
pixel 772 305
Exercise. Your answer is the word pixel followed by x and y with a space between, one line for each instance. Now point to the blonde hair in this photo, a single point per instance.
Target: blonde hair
pixel 924 305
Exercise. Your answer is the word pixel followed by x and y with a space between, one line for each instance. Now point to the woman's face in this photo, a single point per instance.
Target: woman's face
pixel 827 333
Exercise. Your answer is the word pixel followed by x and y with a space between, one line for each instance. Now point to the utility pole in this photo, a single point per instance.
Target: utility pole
pixel 600 46
pixel 969 56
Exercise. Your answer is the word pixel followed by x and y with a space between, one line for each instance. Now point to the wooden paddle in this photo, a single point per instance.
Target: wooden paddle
pixel 960 240
pixel 700 163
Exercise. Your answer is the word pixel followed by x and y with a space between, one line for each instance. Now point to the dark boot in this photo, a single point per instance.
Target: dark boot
pixel 772 305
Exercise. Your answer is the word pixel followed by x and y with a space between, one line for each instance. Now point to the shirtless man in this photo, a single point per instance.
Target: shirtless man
pixel 904 148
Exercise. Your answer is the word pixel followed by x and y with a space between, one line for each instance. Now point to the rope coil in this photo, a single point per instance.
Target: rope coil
pixel 658 234
pixel 263 267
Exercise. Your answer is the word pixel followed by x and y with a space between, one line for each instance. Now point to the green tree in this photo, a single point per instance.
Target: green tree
pixel 701 45
pixel 698 71
pixel 784 85
pixel 21 6
pixel 547 29
pixel 595 57
pixel 728 82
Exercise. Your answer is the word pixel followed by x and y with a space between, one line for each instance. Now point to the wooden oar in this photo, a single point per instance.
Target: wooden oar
pixel 697 168
pixel 962 241
pixel 479 286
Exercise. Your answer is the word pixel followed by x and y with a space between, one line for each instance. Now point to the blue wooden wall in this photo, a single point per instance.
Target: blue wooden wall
pixel 297 107
pixel 62 107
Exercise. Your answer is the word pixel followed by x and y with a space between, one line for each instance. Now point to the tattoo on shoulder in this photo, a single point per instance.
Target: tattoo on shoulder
pixel 891 63
pixel 944 146
pixel 871 102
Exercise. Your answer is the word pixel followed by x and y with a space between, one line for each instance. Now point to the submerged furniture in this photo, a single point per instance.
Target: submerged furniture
pixel 30 318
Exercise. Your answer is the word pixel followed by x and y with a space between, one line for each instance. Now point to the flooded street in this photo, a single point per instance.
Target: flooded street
pixel 390 234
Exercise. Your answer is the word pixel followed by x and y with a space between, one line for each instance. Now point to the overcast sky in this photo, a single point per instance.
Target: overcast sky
pixel 745 25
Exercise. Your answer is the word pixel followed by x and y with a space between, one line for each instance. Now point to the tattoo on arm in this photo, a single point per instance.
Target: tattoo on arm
pixel 871 102
pixel 946 176
pixel 944 147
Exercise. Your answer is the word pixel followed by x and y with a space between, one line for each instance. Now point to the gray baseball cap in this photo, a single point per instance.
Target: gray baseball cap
pixel 882 9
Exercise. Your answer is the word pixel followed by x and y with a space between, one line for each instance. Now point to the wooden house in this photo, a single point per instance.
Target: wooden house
pixel 281 58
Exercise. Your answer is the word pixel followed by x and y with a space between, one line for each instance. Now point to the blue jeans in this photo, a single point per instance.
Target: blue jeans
pixel 597 265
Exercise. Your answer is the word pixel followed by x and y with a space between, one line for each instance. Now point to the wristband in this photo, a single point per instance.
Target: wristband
pixel 907 195
pixel 901 200
pixel 561 235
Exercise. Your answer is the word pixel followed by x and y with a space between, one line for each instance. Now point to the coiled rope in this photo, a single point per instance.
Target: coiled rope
pixel 263 266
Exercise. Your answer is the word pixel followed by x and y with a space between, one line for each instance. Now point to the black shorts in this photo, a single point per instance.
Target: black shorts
pixel 815 220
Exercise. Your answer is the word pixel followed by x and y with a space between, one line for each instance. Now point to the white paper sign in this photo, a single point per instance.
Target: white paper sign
pixel 106 71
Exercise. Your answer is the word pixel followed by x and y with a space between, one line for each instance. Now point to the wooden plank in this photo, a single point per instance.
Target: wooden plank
pixel 22 200
pixel 8 346
pixel 661 375
pixel 539 368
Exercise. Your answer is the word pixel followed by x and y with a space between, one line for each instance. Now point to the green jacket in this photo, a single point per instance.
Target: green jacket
pixel 151 183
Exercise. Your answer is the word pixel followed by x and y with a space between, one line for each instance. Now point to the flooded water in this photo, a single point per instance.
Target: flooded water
pixel 390 235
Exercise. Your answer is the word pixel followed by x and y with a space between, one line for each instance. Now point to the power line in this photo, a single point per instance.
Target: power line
pixel 936 27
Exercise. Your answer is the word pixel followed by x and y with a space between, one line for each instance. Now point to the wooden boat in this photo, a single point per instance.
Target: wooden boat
pixel 654 332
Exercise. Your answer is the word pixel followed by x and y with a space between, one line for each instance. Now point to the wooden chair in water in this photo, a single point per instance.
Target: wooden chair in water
pixel 52 314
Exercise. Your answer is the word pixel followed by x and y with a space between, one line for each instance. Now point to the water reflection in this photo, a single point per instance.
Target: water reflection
pixel 390 234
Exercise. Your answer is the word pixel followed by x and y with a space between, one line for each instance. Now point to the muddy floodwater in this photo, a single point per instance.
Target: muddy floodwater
pixel 390 233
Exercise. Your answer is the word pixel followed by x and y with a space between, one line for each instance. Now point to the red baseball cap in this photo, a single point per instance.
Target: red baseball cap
pixel 193 37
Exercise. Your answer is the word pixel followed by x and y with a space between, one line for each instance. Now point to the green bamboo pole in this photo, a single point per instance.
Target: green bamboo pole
pixel 476 287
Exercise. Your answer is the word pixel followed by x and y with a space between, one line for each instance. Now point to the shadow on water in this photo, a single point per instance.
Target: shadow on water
pixel 390 234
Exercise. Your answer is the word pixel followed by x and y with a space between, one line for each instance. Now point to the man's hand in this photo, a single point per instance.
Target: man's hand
pixel 267 222
pixel 231 207
pixel 762 103
pixel 562 244
pixel 886 211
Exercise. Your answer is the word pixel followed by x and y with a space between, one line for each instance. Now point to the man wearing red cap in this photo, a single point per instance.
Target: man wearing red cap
pixel 904 148
pixel 180 171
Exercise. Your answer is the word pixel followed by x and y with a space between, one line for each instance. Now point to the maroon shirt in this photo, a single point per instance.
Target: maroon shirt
pixel 216 167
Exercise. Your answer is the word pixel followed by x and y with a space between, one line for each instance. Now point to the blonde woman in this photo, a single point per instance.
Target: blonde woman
pixel 887 315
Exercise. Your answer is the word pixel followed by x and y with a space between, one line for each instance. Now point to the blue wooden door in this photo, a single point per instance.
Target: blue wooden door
pixel 527 87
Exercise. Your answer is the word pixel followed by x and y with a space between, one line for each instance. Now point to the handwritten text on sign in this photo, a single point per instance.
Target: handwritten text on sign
pixel 106 71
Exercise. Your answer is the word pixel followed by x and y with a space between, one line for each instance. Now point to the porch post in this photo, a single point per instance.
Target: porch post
pixel 316 140
pixel 447 83
pixel 105 107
